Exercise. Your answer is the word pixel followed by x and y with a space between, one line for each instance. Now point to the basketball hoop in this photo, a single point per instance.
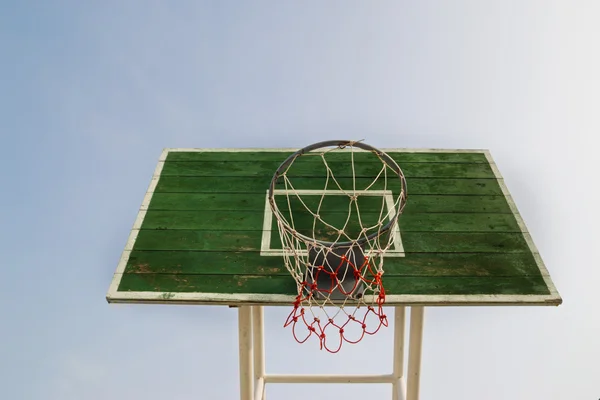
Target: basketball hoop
pixel 332 250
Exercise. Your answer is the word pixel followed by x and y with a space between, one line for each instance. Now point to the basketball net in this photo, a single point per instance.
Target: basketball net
pixel 336 256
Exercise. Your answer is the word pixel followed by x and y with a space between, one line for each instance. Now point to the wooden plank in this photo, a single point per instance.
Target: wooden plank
pixel 210 184
pixel 275 284
pixel 455 204
pixel 235 201
pixel 415 204
pixel 457 222
pixel 465 285
pixel 208 283
pixel 208 201
pixel 449 157
pixel 461 264
pixel 253 220
pixel 198 240
pixel 204 262
pixel 418 242
pixel 252 263
pixel 453 242
pixel 315 168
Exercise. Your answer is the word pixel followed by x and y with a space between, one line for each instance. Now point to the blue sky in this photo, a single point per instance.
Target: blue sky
pixel 92 92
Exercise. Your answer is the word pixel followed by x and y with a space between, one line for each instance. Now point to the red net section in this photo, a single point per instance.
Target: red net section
pixel 366 320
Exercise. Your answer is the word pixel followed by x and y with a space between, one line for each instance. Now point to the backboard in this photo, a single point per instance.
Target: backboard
pixel 205 233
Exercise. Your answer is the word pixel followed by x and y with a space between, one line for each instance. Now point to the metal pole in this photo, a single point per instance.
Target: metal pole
pixel 414 352
pixel 259 352
pixel 398 366
pixel 245 343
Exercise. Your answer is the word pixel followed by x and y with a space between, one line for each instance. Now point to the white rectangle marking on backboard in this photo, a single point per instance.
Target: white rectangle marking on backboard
pixel 398 246
pixel 265 246
pixel 267 225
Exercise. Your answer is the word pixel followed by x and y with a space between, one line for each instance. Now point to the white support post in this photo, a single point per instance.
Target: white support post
pixel 253 378
pixel 259 352
pixel 245 351
pixel 414 352
pixel 398 361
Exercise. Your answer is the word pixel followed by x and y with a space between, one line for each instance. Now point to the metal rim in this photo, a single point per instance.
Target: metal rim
pixel 341 144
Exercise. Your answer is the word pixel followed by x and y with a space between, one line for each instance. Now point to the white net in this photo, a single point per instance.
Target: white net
pixel 336 210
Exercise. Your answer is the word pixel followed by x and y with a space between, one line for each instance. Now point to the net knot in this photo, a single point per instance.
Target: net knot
pixel 297 302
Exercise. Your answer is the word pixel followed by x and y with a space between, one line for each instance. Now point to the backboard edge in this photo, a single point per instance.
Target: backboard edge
pixel 532 247
pixel 118 274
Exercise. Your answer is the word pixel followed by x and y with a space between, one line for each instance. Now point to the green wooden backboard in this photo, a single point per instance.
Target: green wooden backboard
pixel 205 234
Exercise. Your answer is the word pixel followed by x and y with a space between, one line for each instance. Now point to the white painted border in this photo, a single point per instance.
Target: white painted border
pixel 265 245
pixel 513 207
pixel 114 285
pixel 115 296
pixel 237 299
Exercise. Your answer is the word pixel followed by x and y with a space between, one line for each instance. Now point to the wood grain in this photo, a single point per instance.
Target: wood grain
pixel 202 230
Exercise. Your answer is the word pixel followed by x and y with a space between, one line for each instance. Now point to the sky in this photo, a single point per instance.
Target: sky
pixel 91 92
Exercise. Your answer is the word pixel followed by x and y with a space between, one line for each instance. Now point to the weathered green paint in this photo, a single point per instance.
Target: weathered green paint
pixel 417 242
pixel 416 204
pixel 248 220
pixel 256 202
pixel 250 185
pixel 316 168
pixel 203 228
pixel 471 157
pixel 252 263
pixel 278 284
